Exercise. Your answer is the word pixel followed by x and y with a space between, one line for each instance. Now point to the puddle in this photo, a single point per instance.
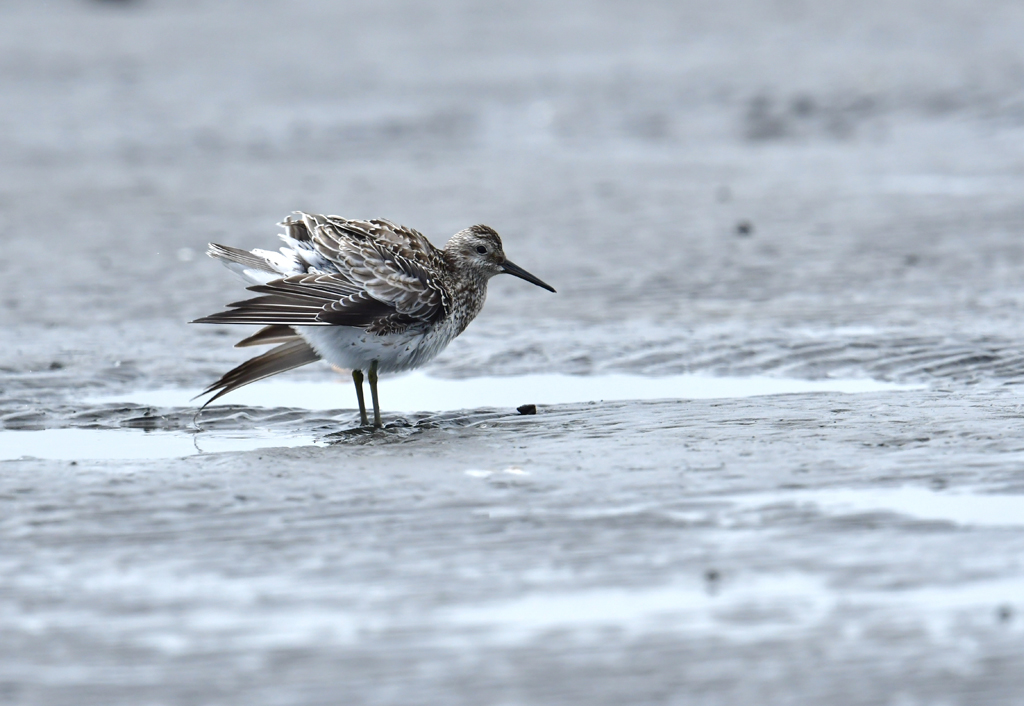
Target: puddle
pixel 419 392
pixel 127 444
pixel 962 508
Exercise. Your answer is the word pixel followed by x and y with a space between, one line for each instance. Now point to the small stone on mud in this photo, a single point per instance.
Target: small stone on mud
pixel 527 409
pixel 744 228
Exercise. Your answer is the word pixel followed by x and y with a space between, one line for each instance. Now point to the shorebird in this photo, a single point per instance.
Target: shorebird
pixel 361 295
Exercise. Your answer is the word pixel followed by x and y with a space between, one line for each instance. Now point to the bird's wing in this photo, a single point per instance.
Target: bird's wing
pixel 384 280
pixel 335 231
pixel 393 264
pixel 304 300
pixel 322 300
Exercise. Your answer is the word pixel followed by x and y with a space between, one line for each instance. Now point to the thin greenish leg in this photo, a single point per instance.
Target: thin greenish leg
pixel 357 378
pixel 373 395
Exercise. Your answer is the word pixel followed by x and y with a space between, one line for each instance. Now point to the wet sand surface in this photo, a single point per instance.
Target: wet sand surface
pixel 752 191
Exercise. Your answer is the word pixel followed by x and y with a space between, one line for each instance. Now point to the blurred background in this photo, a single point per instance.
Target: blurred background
pixel 783 188
pixel 624 149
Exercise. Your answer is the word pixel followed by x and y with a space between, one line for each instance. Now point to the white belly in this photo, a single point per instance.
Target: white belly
pixel 354 348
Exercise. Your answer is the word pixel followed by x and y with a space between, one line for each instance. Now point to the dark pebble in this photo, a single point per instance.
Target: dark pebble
pixel 744 228
pixel 527 409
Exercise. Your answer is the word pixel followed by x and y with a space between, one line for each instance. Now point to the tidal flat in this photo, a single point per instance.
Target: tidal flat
pixel 776 456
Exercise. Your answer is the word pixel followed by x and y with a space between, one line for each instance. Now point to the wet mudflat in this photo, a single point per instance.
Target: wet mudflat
pixel 826 199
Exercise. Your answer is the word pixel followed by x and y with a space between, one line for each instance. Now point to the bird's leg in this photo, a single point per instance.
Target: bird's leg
pixel 357 378
pixel 373 394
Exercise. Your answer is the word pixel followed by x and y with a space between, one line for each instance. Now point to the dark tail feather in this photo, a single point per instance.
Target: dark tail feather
pixel 267 335
pixel 287 356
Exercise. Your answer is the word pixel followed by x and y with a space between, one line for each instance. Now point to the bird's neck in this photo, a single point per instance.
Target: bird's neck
pixel 468 296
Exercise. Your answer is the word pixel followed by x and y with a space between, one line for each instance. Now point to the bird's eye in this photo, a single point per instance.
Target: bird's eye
pixel 481 249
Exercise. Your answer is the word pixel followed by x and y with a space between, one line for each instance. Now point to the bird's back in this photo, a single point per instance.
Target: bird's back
pixel 359 294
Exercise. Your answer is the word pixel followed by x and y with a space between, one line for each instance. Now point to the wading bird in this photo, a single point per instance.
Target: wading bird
pixel 361 295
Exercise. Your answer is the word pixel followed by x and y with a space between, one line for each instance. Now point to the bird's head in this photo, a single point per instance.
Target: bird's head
pixel 478 248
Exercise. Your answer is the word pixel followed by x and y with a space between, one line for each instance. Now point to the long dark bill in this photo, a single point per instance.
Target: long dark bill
pixel 511 268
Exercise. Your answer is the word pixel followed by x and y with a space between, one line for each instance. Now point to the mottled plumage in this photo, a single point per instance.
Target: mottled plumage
pixel 362 295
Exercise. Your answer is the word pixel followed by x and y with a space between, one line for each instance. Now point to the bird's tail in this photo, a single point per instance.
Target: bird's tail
pixel 252 267
pixel 286 356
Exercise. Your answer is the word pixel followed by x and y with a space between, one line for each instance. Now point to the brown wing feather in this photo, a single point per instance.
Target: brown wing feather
pixel 287 356
pixel 390 262
pixel 268 335
pixel 383 284
pixel 290 303
pixel 401 240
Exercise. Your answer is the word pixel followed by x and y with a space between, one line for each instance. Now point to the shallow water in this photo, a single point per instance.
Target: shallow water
pixel 127 444
pixel 130 430
pixel 757 609
pixel 970 509
pixel 418 391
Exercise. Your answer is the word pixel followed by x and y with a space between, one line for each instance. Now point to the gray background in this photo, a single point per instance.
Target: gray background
pixel 652 552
